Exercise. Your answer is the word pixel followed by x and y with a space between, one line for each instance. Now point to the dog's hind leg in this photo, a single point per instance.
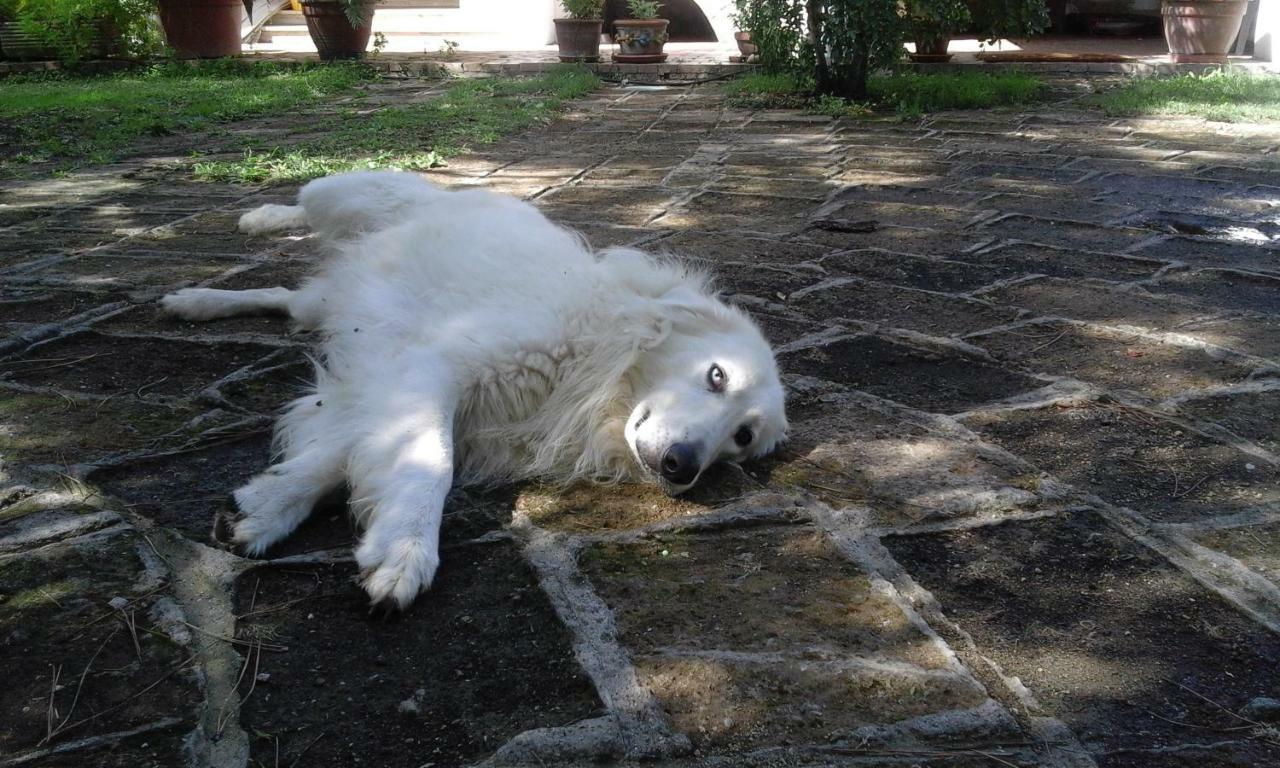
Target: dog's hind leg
pixel 273 504
pixel 213 303
pixel 273 218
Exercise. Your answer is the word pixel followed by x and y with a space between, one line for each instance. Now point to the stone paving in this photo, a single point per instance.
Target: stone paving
pixel 1028 515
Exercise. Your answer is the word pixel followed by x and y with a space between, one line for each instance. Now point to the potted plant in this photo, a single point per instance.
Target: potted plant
pixel 578 34
pixel 641 37
pixel 203 29
pixel 746 16
pixel 1201 30
pixel 930 24
pixel 339 28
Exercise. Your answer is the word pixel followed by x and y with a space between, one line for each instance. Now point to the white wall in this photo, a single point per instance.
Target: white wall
pixel 1266 35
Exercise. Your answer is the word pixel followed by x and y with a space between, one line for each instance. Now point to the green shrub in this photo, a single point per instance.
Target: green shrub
pixel 73 27
pixel 583 9
pixel 643 9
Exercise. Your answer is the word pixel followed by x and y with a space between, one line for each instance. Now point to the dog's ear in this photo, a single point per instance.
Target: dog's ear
pixel 684 304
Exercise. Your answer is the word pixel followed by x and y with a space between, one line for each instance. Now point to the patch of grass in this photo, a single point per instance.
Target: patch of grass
pixel 69 120
pixel 909 94
pixel 1223 95
pixel 469 113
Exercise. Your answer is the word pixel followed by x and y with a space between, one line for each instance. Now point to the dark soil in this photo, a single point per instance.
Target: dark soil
pixel 54 618
pixel 1096 301
pixel 1136 460
pixel 1109 637
pixel 1213 253
pixel 1067 234
pixel 46 305
pixel 1254 416
pixel 483 646
pixel 930 381
pixel 118 365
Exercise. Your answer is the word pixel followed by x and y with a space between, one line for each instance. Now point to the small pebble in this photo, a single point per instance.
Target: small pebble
pixel 1264 709
pixel 118 603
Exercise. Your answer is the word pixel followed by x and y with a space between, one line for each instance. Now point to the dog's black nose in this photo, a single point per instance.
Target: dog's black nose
pixel 680 464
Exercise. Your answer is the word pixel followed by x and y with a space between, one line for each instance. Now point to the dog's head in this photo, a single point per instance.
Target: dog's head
pixel 706 391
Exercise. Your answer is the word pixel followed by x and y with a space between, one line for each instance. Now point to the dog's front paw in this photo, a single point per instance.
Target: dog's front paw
pixel 397 572
pixel 259 516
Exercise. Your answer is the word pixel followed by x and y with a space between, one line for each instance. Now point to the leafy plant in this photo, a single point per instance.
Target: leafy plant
pixel 73 28
pixel 994 19
pixel 929 20
pixel 777 29
pixel 643 9
pixel 352 9
pixel 583 9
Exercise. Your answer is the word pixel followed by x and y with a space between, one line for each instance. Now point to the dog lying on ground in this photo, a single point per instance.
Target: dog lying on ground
pixel 465 335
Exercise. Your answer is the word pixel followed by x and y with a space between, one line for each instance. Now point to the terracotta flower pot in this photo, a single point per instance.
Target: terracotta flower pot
pixel 1201 30
pixel 202 29
pixel 333 33
pixel 640 41
pixel 579 39
pixel 745 46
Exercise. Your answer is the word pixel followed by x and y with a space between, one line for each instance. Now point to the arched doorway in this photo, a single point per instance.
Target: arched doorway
pixel 688 23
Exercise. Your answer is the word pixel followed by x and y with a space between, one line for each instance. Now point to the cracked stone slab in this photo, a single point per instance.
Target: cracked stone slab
pixel 1256 546
pixel 94 363
pixel 108 270
pixel 1252 415
pixel 919 239
pixel 849 450
pixel 1136 459
pixel 910 271
pixel 1114 359
pixel 907 374
pixel 1097 301
pixel 1222 288
pixel 751 637
pixel 1065 233
pixel 1032 258
pixel 1214 254
pixel 1110 638
pixel 891 307
pixel 479 660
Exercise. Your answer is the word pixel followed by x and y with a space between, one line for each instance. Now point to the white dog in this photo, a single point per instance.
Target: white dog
pixel 464 333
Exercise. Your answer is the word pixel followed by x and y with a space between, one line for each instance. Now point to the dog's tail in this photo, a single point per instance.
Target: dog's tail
pixel 273 218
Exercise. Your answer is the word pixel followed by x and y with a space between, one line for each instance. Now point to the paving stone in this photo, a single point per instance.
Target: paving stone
pixel 906 215
pixel 854 198
pixel 1136 460
pixel 913 240
pixel 924 379
pixel 845 453
pixel 629 207
pixel 1257 546
pixel 38 306
pixel 107 270
pixel 927 273
pixel 1031 258
pixel 1097 301
pixel 1246 333
pixel 584 508
pixel 1049 207
pixel 95 363
pixel 757 185
pixel 1068 234
pixel 186 240
pixel 722 247
pixel 27 243
pixel 480 661
pixel 892 307
pixel 52 429
pixel 1210 253
pixel 700 615
pixel 1252 415
pixel 1225 289
pixel 64 640
pixel 715 211
pixel 1107 636
pixel 1113 359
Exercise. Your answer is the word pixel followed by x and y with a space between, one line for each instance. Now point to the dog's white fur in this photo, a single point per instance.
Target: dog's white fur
pixel 465 334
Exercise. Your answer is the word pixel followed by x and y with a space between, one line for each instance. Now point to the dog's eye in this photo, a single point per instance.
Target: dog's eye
pixel 716 378
pixel 743 436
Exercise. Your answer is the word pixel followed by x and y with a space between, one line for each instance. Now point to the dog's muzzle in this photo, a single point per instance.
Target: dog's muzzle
pixel 680 464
